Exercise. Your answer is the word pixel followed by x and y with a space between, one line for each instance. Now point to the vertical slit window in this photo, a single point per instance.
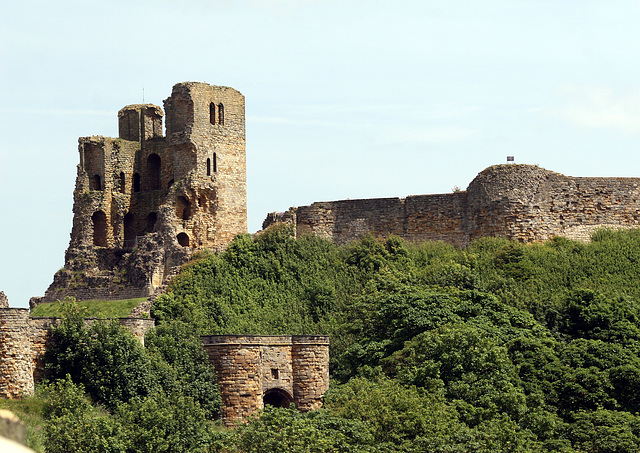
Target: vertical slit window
pixel 212 113
pixel 215 162
pixel 221 114
pixel 208 167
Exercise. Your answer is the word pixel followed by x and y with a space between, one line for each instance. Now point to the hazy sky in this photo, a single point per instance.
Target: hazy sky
pixel 344 99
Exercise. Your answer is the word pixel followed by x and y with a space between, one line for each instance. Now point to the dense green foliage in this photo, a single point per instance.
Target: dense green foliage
pixel 501 346
pixel 109 393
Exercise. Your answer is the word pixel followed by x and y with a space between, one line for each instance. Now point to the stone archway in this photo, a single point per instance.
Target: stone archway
pixel 277 398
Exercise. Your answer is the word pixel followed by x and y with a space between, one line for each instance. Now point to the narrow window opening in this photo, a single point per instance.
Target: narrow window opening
pixel 208 167
pixel 183 239
pixel 274 373
pixel 122 183
pixel 152 218
pixel 221 114
pixel 96 183
pixel 153 171
pixel 136 182
pixel 99 220
pixel 215 163
pixel 129 231
pixel 212 113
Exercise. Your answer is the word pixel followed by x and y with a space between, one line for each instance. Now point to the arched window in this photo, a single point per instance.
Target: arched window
pixel 212 113
pixel 183 208
pixel 215 162
pixel 183 239
pixel 96 183
pixel 208 167
pixel 152 218
pixel 129 231
pixel 136 182
pixel 221 114
pixel 153 171
pixel 122 183
pixel 99 220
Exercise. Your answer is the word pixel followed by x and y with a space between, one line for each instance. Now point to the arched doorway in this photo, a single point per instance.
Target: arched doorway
pixel 99 220
pixel 277 398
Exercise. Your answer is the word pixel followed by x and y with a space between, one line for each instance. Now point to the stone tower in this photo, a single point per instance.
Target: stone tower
pixel 278 370
pixel 143 201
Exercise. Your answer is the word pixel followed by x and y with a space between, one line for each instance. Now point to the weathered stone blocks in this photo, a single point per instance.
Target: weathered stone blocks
pixel 277 370
pixel 521 202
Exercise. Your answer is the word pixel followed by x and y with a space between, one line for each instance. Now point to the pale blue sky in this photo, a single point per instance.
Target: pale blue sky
pixel 345 99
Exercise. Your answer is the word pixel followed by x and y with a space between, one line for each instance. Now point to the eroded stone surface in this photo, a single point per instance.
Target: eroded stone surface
pixel 143 202
pixel 521 202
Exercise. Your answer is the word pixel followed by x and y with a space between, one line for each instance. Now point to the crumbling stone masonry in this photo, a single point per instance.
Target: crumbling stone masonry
pixel 521 202
pixel 143 201
pixel 276 370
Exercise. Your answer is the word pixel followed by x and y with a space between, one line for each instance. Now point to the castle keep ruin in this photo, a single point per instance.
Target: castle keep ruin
pixel 143 201
pixel 521 202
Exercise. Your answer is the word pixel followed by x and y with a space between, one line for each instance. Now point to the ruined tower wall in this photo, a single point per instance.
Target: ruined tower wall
pixel 206 130
pixel 528 203
pixel 143 202
pixel 520 202
pixel 250 367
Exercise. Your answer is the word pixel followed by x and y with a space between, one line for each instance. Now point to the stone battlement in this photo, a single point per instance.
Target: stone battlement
pixel 521 202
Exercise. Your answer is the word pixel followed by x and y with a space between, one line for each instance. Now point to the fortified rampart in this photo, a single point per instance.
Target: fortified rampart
pixel 143 201
pixel 521 202
pixel 276 370
pixel 23 340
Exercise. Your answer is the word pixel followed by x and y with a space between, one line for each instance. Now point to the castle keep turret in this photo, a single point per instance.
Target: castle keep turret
pixel 143 201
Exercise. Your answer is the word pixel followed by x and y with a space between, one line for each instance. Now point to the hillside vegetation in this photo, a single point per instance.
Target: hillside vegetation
pixel 501 346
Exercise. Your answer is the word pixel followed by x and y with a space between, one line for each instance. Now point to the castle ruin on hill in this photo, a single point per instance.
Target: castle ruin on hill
pixel 143 202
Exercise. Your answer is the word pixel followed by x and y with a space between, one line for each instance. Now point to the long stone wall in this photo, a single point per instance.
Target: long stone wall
pixel 521 202
pixel 278 370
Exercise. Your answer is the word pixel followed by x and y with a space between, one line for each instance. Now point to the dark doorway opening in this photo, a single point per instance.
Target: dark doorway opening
pixel 129 231
pixel 277 398
pixel 96 183
pixel 99 220
pixel 153 169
